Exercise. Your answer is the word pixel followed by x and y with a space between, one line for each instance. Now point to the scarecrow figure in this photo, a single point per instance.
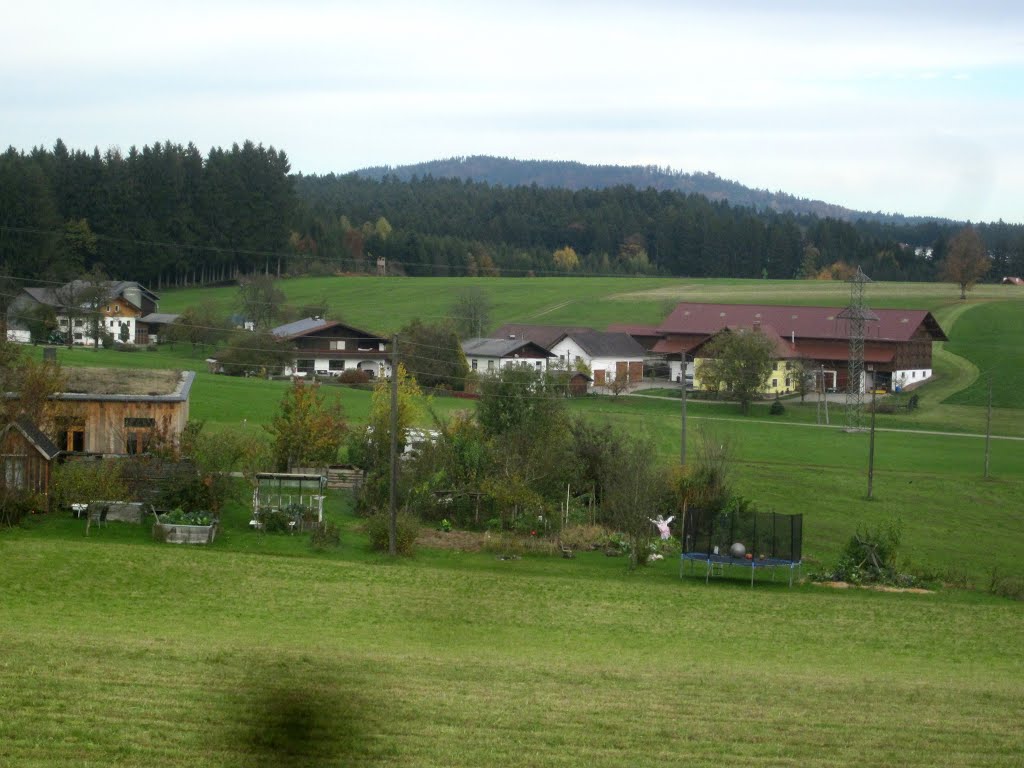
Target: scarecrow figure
pixel 662 525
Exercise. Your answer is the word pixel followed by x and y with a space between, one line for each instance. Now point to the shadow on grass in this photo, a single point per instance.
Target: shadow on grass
pixel 300 712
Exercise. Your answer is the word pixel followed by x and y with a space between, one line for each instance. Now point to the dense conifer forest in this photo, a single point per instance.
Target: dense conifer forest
pixel 168 215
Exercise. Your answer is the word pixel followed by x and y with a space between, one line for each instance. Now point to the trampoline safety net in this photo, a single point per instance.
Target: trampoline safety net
pixel 764 535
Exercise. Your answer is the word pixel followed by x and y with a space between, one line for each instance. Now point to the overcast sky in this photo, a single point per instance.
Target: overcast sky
pixel 909 107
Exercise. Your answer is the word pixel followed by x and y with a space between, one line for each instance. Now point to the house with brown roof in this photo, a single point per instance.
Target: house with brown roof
pixel 897 342
pixel 329 348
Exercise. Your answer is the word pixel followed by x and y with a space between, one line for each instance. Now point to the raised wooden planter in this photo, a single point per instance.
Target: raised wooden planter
pixel 173 533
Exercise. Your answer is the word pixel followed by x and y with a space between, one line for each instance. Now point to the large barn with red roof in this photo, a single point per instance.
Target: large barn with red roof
pixel 897 346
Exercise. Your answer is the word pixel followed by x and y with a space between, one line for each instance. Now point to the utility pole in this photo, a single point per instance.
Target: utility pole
pixel 393 491
pixel 871 442
pixel 988 424
pixel 682 382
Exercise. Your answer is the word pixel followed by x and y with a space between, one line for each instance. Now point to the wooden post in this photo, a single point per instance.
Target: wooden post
pixel 393 490
pixel 871 441
pixel 682 385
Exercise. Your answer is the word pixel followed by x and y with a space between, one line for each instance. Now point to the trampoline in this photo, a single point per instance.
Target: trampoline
pixel 771 540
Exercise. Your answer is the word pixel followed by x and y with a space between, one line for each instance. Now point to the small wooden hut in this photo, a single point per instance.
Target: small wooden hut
pixel 26 457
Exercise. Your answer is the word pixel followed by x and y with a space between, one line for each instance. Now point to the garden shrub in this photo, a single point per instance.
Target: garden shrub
pixel 354 376
pixel 777 408
pixel 407 529
pixel 275 521
pixel 325 536
pixel 584 537
pixel 15 506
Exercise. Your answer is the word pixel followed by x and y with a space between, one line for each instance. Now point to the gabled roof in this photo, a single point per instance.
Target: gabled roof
pixel 114 289
pixel 308 325
pixel 599 344
pixel 34 436
pixel 504 348
pixel 544 335
pixel 800 322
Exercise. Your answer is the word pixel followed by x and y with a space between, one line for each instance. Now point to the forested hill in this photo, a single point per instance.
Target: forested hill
pixel 572 175
pixel 166 215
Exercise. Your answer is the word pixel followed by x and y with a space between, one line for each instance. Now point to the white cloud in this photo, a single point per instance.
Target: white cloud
pixel 854 105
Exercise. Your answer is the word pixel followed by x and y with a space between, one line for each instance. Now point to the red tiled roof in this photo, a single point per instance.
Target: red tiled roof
pixel 799 322
pixel 633 330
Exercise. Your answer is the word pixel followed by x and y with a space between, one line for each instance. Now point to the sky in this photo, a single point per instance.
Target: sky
pixel 900 107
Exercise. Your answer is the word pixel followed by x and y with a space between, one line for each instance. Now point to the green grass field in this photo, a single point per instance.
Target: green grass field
pixel 257 651
pixel 386 304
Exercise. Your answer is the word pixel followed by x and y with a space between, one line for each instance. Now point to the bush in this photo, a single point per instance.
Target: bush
pixel 584 537
pixel 407 529
pixel 275 521
pixel 777 408
pixel 326 536
pixel 354 376
pixel 15 506
pixel 1011 587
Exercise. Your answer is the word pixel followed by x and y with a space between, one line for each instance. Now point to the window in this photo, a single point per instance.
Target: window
pixel 336 365
pixel 138 431
pixel 79 322
pixel 117 309
pixel 490 365
pixel 305 366
pixel 107 308
pixel 474 363
pixel 337 344
pixel 539 364
pixel 775 383
pixel 561 358
pixel 14 471
pixel 75 440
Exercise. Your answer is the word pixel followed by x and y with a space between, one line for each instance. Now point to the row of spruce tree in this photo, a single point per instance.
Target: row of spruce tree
pixel 168 215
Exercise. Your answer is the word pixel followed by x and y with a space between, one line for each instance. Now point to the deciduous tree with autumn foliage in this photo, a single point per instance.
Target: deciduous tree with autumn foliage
pixel 307 430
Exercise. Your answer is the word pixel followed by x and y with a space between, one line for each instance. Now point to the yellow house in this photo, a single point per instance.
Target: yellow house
pixel 782 378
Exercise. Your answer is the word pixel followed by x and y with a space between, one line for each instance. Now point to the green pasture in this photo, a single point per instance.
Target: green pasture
pixel 257 651
pixel 991 337
pixel 385 304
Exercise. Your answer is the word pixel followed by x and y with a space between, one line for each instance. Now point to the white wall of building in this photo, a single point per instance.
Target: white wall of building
pixel 674 367
pixel 567 352
pixel 914 376
pixel 488 364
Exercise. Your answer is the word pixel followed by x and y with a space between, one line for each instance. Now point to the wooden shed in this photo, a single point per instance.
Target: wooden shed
pixel 118 411
pixel 26 457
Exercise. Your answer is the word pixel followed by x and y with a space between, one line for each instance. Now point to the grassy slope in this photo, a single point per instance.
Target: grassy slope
pixel 120 651
pixel 989 336
pixel 230 656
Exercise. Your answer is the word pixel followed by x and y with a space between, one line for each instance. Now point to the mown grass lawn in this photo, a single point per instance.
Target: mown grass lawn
pixel 257 651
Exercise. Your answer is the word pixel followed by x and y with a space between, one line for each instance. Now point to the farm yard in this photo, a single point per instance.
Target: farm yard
pixel 258 650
